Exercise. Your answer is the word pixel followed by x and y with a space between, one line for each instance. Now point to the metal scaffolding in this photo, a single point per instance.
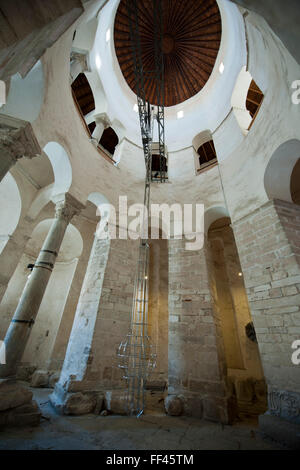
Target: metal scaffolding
pixel 136 354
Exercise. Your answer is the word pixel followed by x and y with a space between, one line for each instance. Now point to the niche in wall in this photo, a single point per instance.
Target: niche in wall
pixel 242 358
pixel 242 355
pixel 83 95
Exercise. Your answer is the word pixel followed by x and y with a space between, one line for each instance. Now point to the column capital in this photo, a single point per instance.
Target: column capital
pixel 103 119
pixel 80 63
pixel 81 58
pixel 67 207
pixel 18 142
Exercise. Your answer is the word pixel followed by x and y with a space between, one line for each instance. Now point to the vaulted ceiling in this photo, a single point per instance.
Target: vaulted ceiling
pixel 191 41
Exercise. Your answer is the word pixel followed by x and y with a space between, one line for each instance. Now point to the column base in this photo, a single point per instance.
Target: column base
pixel 216 409
pixel 280 430
pixel 75 403
pixel 16 405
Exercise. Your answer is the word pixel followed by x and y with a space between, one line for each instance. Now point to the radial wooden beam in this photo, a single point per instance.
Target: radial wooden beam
pixel 191 41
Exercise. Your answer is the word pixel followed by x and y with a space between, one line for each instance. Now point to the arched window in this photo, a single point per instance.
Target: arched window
pixel 253 101
pixel 295 183
pixel 207 155
pixel 109 140
pixel 92 126
pixel 246 100
pixel 83 95
pixel 157 168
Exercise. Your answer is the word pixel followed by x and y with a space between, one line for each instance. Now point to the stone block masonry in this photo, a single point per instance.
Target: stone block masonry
pixel 101 321
pixel 268 242
pixel 114 314
pixel 196 355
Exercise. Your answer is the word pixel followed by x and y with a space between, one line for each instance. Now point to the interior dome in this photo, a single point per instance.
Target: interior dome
pixel 191 41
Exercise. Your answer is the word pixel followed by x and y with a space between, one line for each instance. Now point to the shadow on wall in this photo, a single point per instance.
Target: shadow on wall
pixel 244 369
pixel 61 167
pixel 10 208
pixel 282 175
pixel 25 95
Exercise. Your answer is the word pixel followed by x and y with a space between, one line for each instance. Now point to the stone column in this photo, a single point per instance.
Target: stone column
pixel 268 245
pixel 15 144
pixel 102 123
pixel 18 333
pixel 12 252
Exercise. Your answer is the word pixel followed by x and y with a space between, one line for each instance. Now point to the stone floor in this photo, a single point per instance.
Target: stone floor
pixel 150 432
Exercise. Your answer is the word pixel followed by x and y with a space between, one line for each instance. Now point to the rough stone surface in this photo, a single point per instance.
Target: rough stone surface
pixel 40 379
pixel 99 404
pixel 280 430
pixel 53 379
pixel 260 390
pixel 211 410
pixel 268 245
pixel 244 390
pixel 13 394
pixel 151 431
pixel 173 405
pixel 24 415
pixel 196 359
pixel 25 373
pixel 115 402
pixel 79 404
pixel 251 396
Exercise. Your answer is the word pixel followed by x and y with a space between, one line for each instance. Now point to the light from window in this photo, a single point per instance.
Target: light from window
pixel 98 62
pixel 108 35
pixel 221 68
pixel 180 114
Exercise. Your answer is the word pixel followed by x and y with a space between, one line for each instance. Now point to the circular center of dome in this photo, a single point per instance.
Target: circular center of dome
pixel 168 44
pixel 190 44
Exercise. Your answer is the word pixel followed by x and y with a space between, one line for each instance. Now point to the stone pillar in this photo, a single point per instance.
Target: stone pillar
pixel 197 369
pixel 18 333
pixel 87 230
pixel 102 123
pixel 15 144
pixel 268 245
pixel 12 252
pixel 101 322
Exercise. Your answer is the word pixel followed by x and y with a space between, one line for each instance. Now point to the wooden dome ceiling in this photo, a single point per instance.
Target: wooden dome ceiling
pixel 191 41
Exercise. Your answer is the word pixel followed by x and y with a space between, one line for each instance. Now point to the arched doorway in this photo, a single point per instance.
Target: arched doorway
pixel 43 335
pixel 244 369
